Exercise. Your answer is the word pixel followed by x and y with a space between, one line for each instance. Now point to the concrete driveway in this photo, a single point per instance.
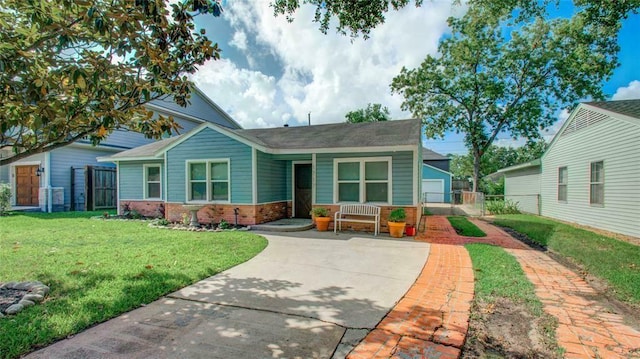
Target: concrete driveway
pixel 307 295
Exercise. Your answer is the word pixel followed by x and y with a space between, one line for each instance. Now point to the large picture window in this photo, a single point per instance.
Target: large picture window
pixel 363 180
pixel 152 182
pixel 596 195
pixel 563 180
pixel 208 181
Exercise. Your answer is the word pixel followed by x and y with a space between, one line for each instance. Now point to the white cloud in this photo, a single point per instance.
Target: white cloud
pixel 629 92
pixel 239 40
pixel 327 75
pixel 248 96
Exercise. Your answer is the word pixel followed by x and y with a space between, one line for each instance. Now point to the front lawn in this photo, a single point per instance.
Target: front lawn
pixel 615 261
pixel 99 269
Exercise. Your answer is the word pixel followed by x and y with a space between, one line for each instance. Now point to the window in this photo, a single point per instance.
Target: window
pixel 152 182
pixel 208 181
pixel 563 180
pixel 596 195
pixel 363 180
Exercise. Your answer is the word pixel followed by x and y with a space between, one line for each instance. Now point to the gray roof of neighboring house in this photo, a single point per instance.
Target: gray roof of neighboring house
pixel 625 107
pixel 428 155
pixel 149 150
pixel 337 135
pixel 495 175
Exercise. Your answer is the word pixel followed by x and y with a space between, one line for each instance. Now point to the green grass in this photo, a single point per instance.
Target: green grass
pixel 99 269
pixel 617 262
pixel 499 275
pixel 465 228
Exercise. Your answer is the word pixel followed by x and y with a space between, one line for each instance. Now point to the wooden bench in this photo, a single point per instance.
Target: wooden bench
pixel 357 210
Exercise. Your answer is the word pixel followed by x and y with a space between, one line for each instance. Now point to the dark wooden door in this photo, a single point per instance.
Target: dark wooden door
pixel 302 186
pixel 100 187
pixel 27 186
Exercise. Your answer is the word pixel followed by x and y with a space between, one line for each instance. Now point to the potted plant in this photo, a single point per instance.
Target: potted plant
pixel 396 222
pixel 321 216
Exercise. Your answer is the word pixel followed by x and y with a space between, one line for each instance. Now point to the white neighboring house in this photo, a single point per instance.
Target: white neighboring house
pixel 590 174
pixel 522 185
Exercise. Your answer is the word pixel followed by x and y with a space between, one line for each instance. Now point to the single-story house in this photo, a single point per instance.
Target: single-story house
pixel 590 173
pixel 436 178
pixel 269 174
pixel 70 178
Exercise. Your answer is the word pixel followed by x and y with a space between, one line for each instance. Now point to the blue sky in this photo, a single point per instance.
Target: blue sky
pixel 273 72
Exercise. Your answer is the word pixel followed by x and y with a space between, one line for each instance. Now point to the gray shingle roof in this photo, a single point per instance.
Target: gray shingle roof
pixel 428 155
pixel 337 135
pixel 149 150
pixel 625 107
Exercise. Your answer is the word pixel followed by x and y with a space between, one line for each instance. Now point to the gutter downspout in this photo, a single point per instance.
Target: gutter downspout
pixel 47 181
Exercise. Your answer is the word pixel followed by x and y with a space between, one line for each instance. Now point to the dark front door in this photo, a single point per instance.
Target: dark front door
pixel 302 187
pixel 27 186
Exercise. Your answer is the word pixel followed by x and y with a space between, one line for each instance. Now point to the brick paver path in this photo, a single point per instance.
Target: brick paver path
pixel 586 329
pixel 432 319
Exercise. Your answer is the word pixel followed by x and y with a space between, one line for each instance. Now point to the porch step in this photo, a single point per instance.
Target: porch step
pixel 285 225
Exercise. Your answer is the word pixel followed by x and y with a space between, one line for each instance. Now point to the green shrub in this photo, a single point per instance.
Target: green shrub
pixel 319 212
pixel 397 215
pixel 502 207
pixel 224 225
pixel 5 198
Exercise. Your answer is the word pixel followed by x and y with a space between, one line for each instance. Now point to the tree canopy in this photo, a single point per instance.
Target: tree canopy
pixel 372 113
pixel 354 17
pixel 74 69
pixel 508 70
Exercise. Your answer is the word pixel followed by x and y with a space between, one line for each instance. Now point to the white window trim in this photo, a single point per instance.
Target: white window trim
pixel 145 182
pixel 592 183
pixel 362 182
pixel 565 184
pixel 207 163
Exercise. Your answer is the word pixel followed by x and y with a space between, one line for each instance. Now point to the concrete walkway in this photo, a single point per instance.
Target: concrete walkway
pixel 307 295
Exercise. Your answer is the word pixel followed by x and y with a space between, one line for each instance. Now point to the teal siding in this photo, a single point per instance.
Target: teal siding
pixel 131 179
pixel 402 175
pixel 271 178
pixel 432 173
pixel 205 145
pixel 288 179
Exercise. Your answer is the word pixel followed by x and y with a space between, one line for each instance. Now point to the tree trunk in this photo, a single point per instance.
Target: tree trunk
pixel 476 170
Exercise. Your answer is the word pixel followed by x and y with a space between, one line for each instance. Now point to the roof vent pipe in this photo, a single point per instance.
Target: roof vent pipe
pixel 286 125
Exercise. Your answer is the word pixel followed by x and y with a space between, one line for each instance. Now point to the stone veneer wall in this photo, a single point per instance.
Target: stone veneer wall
pixel 247 214
pixel 412 218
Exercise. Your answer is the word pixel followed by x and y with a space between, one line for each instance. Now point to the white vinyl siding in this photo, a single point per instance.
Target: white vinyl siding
pixel 362 180
pixel 616 143
pixel 152 182
pixel 523 186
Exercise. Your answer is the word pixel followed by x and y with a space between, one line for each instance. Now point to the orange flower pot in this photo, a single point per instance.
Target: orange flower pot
pixel 322 223
pixel 396 229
